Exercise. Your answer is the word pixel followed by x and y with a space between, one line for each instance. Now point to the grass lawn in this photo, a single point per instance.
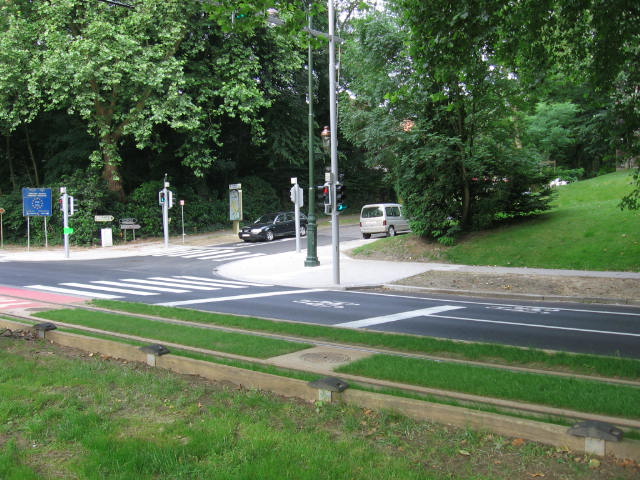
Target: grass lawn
pixel 65 415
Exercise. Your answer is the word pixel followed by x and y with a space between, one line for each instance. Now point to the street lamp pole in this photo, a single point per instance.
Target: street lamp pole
pixel 312 226
pixel 335 240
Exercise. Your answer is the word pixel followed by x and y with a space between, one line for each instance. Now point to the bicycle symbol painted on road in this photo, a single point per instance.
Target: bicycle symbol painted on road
pixel 326 303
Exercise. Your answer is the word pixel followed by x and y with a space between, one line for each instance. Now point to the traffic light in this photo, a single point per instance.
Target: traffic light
pixel 73 205
pixel 341 195
pixel 170 198
pixel 161 198
pixel 326 194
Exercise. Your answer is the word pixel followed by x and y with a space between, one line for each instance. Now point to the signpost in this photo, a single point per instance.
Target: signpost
pixel 129 224
pixel 297 197
pixel 182 213
pixel 36 202
pixel 235 205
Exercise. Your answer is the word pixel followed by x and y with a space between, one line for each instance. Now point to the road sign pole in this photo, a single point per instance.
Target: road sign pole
pixel 165 212
pixel 65 220
pixel 182 214
pixel 1 228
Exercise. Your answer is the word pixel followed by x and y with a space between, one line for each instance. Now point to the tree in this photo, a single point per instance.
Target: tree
pixel 551 130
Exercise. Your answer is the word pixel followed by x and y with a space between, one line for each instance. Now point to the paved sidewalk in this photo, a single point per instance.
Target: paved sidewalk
pixel 287 269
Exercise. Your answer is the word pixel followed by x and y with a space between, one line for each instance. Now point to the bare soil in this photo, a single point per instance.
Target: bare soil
pixel 411 249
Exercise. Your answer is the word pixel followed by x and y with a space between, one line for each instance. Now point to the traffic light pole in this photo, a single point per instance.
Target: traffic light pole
pixel 335 232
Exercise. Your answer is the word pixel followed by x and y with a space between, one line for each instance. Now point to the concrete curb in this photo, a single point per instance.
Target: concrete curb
pixel 420 410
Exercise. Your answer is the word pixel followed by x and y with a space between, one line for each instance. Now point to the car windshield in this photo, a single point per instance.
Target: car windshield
pixel 268 218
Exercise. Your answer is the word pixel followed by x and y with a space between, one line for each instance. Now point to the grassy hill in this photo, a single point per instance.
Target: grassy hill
pixel 585 230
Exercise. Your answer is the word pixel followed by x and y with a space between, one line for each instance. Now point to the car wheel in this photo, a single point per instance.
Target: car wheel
pixel 303 230
pixel 391 232
pixel 269 236
pixel 366 236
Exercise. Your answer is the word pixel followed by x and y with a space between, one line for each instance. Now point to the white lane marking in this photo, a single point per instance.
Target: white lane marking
pixel 106 289
pixel 143 287
pixel 237 297
pixel 470 302
pixel 223 282
pixel 168 283
pixel 15 303
pixel 423 312
pixel 534 325
pixel 73 292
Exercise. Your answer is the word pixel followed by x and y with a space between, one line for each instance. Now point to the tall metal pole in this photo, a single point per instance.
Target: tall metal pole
pixel 165 212
pixel 312 227
pixel 65 220
pixel 335 239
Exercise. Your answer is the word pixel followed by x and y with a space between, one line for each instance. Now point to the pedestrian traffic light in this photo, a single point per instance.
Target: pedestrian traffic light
pixel 341 196
pixel 73 204
pixel 161 198
pixel 170 193
pixel 326 194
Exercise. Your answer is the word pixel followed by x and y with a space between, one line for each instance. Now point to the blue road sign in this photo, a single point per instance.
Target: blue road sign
pixel 36 202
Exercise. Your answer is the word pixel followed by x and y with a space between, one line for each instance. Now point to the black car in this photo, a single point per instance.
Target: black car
pixel 272 225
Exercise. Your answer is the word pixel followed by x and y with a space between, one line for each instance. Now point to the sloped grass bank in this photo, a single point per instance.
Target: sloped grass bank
pixel 585 230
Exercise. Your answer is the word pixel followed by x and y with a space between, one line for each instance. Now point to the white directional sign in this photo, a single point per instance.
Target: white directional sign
pixel 103 218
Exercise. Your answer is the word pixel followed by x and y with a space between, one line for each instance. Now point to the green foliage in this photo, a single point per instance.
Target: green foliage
pixel 258 197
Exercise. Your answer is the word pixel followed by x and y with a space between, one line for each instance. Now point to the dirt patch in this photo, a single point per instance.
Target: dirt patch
pixel 410 248
pixel 583 287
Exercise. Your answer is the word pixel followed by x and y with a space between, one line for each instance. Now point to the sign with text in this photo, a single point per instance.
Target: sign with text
pixel 36 202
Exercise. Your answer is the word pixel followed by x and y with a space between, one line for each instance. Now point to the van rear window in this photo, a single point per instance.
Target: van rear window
pixel 371 212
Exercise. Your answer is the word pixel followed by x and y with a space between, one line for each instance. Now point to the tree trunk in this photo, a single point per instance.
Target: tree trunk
pixel 110 170
pixel 12 174
pixel 33 158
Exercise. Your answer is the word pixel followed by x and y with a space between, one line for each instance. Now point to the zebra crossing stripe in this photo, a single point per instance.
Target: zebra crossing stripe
pixel 224 282
pixel 206 253
pixel 192 283
pixel 169 282
pixel 131 285
pixel 70 291
pixel 107 289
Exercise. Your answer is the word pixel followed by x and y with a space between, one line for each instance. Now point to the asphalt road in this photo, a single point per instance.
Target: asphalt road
pixel 188 278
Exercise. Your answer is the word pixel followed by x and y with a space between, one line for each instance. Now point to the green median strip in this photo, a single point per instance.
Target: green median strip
pixel 559 392
pixel 614 367
pixel 235 343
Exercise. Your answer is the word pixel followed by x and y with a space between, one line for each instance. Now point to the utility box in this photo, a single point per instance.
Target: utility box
pixel 107 237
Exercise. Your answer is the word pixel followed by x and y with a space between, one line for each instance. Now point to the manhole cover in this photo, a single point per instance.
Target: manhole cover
pixel 325 357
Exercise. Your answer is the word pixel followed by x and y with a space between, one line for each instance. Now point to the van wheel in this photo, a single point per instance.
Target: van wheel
pixel 366 236
pixel 391 232
pixel 303 230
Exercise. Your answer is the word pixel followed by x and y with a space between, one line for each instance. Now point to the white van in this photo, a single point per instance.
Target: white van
pixel 384 218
